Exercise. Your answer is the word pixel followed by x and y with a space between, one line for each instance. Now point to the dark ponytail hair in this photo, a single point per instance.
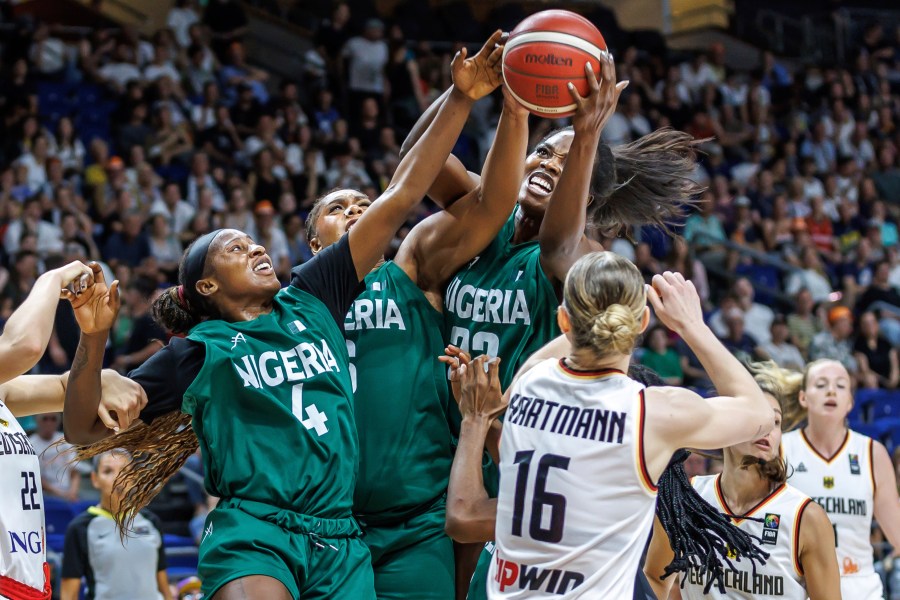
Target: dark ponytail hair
pixel 700 536
pixel 645 182
pixel 181 307
pixel 775 470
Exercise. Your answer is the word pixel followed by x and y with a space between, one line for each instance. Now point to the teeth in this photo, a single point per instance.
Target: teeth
pixel 541 183
pixel 262 266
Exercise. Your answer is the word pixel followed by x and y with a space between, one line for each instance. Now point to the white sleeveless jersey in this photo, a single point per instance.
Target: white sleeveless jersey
pixel 576 505
pixel 845 487
pixel 779 529
pixel 22 553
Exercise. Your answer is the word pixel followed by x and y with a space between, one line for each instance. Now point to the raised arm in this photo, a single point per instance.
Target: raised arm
pixel 417 170
pixel 454 181
pixel 27 332
pixel 471 514
pixel 659 556
pixel 561 235
pixel 95 312
pixel 679 418
pixel 441 244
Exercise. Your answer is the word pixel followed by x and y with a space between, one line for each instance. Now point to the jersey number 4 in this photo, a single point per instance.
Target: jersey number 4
pixel 314 419
pixel 540 498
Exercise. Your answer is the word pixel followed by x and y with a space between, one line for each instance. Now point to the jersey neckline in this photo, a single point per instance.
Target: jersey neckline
pixel 738 518
pixel 587 373
pixel 818 454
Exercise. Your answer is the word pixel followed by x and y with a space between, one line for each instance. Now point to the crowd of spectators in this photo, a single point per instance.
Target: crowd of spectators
pixel 794 247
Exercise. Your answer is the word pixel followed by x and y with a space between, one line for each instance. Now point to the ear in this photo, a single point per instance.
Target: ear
pixel 801 399
pixel 94 481
pixel 645 319
pixel 207 287
pixel 314 245
pixel 563 320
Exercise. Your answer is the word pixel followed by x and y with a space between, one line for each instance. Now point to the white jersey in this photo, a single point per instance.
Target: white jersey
pixel 22 553
pixel 576 504
pixel 778 528
pixel 845 487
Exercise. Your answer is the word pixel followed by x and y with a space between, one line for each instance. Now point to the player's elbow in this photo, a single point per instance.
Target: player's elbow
pixel 463 525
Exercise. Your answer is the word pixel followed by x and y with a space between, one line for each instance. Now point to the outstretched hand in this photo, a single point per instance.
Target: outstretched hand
pixel 480 75
pixel 455 358
pixel 594 110
pixel 676 302
pixel 480 395
pixel 96 307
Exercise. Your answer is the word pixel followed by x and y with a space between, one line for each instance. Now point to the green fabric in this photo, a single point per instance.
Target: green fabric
pixel 250 538
pixel 394 337
pixel 478 584
pixel 272 409
pixel 666 365
pixel 413 559
pixel 502 303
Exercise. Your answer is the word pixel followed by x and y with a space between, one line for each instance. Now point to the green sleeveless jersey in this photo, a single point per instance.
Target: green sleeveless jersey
pixel 272 408
pixel 502 303
pixel 394 337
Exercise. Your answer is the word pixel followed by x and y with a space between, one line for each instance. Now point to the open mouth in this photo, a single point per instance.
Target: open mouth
pixel 351 223
pixel 264 265
pixel 540 184
pixel 830 404
pixel 763 444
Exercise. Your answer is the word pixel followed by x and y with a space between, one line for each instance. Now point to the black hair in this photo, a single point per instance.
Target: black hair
pixel 181 307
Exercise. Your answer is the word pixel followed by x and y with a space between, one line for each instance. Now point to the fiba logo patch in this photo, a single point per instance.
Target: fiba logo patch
pixel 828 482
pixel 770 529
pixel 854 464
pixel 543 90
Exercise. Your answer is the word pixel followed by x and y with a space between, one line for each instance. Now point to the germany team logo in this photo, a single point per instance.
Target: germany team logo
pixel 828 482
pixel 4 422
pixel 770 529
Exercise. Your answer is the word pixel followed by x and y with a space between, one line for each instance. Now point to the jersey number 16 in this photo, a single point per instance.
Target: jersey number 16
pixel 540 497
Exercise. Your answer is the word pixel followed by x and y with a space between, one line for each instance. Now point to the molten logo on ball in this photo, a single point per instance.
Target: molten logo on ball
pixel 548 59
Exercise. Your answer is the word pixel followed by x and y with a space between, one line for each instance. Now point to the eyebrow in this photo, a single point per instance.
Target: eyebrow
pixel 235 238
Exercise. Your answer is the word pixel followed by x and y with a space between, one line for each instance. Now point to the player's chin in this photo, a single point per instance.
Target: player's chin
pixel 533 206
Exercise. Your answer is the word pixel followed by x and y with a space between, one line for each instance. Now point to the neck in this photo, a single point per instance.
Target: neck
pixel 826 437
pixel 246 310
pixel 584 359
pixel 743 488
pixel 527 228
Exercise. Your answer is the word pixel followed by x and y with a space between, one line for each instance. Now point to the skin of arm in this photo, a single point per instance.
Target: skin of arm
pixel 894 379
pixel 69 589
pixel 471 514
pixel 817 555
pixel 887 503
pixel 454 181
pixel 444 242
pixel 679 418
pixel 659 555
pixel 417 170
pixel 561 235
pixel 27 332
pixel 162 582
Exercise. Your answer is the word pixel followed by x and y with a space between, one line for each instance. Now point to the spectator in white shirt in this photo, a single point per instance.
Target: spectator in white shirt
pixel 178 212
pixel 757 317
pixel 161 65
pixel 49 236
pixel 179 20
pixel 368 56
pixel 48 54
pixel 120 71
pixel 200 179
pixel 59 477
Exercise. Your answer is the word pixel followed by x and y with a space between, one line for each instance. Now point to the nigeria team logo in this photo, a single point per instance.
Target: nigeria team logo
pixel 770 529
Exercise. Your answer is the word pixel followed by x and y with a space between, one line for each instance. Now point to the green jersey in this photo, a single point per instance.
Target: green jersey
pixel 394 337
pixel 502 303
pixel 272 408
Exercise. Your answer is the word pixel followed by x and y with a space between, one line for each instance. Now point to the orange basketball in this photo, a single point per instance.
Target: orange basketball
pixel 544 53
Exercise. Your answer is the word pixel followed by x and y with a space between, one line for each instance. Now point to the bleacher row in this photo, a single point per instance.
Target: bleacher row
pixel 87 104
pixel 876 413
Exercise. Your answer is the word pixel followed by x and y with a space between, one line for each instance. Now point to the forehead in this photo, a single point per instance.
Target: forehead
pixel 773 402
pixel 344 197
pixel 559 142
pixel 828 370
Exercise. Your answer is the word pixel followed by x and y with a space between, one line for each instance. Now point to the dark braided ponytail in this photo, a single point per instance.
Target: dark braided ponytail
pixel 700 536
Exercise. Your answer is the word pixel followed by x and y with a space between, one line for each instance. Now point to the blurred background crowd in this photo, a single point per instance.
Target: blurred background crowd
pixel 123 148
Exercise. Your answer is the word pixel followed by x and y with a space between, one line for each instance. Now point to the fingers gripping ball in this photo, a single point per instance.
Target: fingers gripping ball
pixel 544 53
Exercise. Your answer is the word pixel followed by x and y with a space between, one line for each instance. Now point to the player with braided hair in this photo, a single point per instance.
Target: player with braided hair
pixel 752 493
pixel 581 419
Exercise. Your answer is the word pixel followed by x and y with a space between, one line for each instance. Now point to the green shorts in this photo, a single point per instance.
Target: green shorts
pixel 312 557
pixel 413 559
pixel 478 585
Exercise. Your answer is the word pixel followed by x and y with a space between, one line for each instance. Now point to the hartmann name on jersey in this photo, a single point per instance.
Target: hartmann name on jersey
pixel 842 506
pixel 556 417
pixel 505 307
pixel 15 443
pixel 274 368
pixel 751 583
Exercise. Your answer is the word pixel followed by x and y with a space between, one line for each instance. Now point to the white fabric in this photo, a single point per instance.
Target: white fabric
pixel 575 507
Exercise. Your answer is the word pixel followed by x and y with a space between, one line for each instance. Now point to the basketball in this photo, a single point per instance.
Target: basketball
pixel 544 53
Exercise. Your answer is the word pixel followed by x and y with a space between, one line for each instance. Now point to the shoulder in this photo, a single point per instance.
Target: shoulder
pixel 152 518
pixel 80 522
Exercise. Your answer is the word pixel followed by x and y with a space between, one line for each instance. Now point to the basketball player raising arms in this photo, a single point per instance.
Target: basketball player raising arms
pixel 394 333
pixel 583 444
pixel 753 492
pixel 263 375
pixel 849 474
pixel 24 574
